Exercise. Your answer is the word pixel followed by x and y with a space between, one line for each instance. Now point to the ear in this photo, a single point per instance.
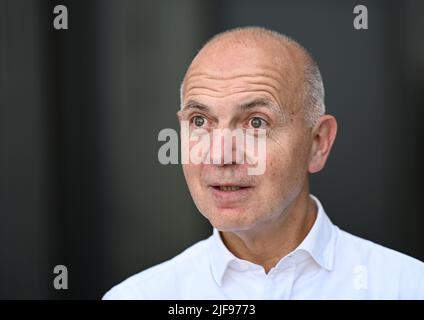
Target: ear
pixel 323 136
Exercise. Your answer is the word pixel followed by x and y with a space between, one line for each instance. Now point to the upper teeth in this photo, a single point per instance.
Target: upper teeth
pixel 229 188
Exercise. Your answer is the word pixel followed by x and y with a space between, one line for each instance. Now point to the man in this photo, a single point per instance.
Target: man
pixel 271 238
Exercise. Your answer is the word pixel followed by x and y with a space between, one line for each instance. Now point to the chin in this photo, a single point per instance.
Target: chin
pixel 231 219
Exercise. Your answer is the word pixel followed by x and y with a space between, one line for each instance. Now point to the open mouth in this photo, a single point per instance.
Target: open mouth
pixel 228 188
pixel 230 194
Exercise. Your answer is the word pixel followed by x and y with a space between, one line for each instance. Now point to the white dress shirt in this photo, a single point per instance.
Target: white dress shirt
pixel 329 264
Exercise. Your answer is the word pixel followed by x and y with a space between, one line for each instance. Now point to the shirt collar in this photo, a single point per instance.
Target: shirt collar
pixel 320 241
pixel 319 244
pixel 220 256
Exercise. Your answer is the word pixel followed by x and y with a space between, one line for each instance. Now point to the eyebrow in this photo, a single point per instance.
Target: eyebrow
pixel 273 107
pixel 261 102
pixel 191 104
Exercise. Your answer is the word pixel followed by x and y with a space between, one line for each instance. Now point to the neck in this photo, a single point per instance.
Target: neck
pixel 268 243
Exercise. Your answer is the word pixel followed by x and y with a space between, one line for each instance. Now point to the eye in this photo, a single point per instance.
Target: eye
pixel 257 123
pixel 198 121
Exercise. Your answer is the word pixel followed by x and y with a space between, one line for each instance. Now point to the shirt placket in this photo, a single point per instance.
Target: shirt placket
pixel 279 283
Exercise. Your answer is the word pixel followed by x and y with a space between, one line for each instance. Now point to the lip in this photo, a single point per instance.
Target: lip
pixel 231 196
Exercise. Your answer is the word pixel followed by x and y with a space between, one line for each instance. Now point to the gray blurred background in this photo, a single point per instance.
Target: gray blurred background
pixel 81 110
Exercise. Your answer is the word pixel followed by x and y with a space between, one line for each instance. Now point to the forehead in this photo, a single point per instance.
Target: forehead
pixel 238 83
pixel 228 72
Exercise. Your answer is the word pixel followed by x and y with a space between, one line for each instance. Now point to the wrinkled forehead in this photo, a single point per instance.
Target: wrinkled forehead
pixel 226 69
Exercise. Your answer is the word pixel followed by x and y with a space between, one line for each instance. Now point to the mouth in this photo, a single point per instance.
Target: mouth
pixel 230 194
pixel 228 188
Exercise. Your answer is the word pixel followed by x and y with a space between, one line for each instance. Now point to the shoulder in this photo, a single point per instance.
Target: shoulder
pixel 370 251
pixel 385 267
pixel 163 280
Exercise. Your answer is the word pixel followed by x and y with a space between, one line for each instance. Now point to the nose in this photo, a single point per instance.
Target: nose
pixel 227 147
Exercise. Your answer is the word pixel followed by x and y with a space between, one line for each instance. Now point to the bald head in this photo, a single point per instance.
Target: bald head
pixel 294 76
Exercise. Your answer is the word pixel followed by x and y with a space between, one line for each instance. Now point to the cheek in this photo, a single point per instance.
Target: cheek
pixel 192 174
pixel 286 167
